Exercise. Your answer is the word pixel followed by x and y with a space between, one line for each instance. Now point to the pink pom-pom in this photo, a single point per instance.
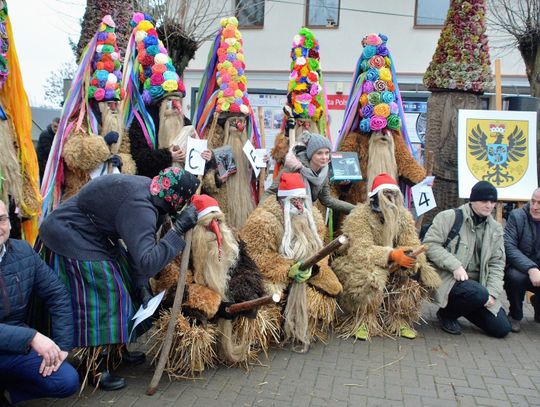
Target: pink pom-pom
pixel 99 94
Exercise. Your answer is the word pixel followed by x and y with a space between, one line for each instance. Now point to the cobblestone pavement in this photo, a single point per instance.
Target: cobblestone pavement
pixel 435 369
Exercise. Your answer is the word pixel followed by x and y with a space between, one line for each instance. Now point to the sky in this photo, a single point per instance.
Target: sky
pixel 41 30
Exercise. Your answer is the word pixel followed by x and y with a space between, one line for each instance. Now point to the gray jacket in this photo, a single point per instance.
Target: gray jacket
pixel 460 253
pixel 522 251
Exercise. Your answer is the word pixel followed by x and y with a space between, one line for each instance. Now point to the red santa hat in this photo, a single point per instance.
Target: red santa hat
pixel 204 205
pixel 291 185
pixel 383 181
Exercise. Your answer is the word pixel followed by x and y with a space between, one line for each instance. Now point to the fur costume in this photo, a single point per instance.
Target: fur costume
pixel 371 295
pixel 221 273
pixel 236 195
pixel 407 167
pixel 263 234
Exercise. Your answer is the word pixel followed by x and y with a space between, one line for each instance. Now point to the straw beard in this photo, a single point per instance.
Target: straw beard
pixel 9 165
pixel 381 156
pixel 211 268
pixel 110 120
pixel 390 212
pixel 300 237
pixel 239 184
pixel 171 121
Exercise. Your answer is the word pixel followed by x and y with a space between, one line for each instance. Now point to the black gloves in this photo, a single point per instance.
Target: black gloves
pixel 290 124
pixel 185 220
pixel 111 137
pixel 144 295
pixel 116 161
pixel 222 313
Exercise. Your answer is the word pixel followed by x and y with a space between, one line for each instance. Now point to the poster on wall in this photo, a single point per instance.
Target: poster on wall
pixel 272 106
pixel 498 147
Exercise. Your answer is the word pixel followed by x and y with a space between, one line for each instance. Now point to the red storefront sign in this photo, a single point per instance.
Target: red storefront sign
pixel 337 102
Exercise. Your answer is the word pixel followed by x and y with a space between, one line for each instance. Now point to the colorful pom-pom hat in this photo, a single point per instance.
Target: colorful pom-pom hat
pixel 305 91
pixel 157 73
pixel 230 73
pixel 105 85
pixel 378 105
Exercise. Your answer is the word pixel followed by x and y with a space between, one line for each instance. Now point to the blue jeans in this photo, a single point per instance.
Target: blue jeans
pixel 467 299
pixel 19 375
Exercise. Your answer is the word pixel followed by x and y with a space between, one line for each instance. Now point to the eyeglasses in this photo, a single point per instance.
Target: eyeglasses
pixel 4 219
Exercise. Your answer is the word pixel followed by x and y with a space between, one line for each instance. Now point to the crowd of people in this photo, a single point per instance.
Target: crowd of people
pixel 118 205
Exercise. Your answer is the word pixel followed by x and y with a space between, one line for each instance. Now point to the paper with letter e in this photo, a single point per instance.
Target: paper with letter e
pixel 143 313
pixel 194 161
pixel 422 195
pixel 251 155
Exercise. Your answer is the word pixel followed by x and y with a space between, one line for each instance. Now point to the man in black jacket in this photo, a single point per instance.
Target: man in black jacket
pixel 522 245
pixel 31 364
pixel 44 145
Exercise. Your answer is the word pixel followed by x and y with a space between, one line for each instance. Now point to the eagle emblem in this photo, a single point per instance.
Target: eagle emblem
pixel 495 154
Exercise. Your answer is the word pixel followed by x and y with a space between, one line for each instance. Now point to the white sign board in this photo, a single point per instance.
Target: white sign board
pixel 422 195
pixel 194 161
pixel 251 154
pixel 498 147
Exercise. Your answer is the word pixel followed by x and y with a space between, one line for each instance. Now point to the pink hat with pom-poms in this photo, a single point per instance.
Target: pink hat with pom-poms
pixel 105 84
pixel 230 72
pixel 157 73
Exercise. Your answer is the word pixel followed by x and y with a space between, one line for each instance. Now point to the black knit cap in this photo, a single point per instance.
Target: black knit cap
pixel 483 191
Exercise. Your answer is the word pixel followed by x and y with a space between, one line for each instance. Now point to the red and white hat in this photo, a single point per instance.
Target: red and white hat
pixel 204 205
pixel 383 181
pixel 291 185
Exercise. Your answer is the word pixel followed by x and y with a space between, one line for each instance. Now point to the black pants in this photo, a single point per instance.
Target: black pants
pixel 515 284
pixel 467 299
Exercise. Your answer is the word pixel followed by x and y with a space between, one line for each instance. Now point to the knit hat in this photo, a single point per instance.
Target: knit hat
pixel 204 205
pixel 105 84
pixel 316 142
pixel 378 104
pixel 305 91
pixel 291 185
pixel 230 75
pixel 383 181
pixel 175 186
pixel 157 73
pixel 483 191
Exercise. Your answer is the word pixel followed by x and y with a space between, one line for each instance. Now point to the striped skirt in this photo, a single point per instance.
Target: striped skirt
pixel 101 296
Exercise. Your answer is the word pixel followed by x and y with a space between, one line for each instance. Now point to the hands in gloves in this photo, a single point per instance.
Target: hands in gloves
pixel 185 220
pixel 116 161
pixel 144 295
pixel 401 257
pixel 298 275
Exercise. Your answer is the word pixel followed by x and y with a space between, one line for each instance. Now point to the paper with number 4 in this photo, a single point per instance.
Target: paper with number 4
pixel 423 198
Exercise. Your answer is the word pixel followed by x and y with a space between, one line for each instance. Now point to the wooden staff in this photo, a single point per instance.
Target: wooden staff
pixel 247 305
pixel 325 251
pixel 415 253
pixel 262 174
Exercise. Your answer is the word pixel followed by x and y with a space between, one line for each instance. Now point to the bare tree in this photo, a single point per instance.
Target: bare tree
pixel 519 23
pixel 54 86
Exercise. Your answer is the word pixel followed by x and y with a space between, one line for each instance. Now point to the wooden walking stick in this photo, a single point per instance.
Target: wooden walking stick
pixel 262 175
pixel 257 302
pixel 325 251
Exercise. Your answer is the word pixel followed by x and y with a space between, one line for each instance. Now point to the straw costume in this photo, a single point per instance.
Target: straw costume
pixel 306 108
pixel 377 301
pixel 373 125
pixel 221 273
pixel 282 232
pixel 89 140
pixel 19 172
pixel 225 117
pixel 154 96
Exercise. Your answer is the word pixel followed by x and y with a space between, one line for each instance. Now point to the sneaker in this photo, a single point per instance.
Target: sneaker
pixel 405 331
pixel 362 333
pixel 515 324
pixel 534 303
pixel 448 325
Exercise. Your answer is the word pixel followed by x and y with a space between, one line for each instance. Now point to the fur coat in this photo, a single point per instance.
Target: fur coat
pixel 362 266
pixel 263 234
pixel 408 168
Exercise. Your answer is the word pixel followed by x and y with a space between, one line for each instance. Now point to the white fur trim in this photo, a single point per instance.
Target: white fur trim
pixel 293 193
pixel 207 210
pixel 383 186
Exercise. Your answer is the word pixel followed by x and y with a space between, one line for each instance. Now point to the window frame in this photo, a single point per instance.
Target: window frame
pixel 252 26
pixel 330 27
pixel 427 26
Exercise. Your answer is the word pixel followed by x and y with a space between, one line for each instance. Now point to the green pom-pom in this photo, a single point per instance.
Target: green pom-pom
pixel 147 84
pixel 393 122
pixel 107 49
pixel 91 91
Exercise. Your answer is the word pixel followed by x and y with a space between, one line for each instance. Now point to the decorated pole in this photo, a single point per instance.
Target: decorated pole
pixel 325 251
